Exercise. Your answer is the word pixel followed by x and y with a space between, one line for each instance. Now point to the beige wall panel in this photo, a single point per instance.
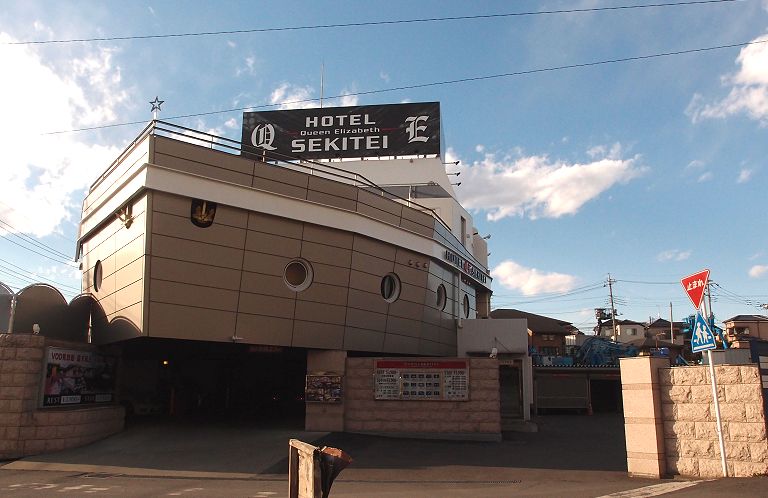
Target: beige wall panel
pixel 176 226
pixel 202 169
pixel 107 282
pixel 394 343
pixel 412 293
pixel 371 264
pixel 378 214
pixel 329 255
pixel 279 188
pixel 260 304
pixel 281 175
pixel 367 301
pixel 374 248
pixel 125 236
pixel 192 295
pixel 364 281
pixel 196 252
pixel 259 329
pixel 332 275
pixel 380 203
pixel 411 275
pixel 403 326
pixel 323 293
pixel 415 227
pixel 405 309
pixel 409 258
pixel 132 313
pixel 430 332
pixel 332 200
pixel 269 285
pixel 368 320
pixel 431 348
pixel 264 223
pixel 137 157
pixel 107 302
pixel 272 244
pixel 187 322
pixel 202 154
pixel 268 264
pixel 327 236
pixel 320 312
pixel 129 253
pixel 432 316
pixel 130 296
pixel 430 298
pixel 317 335
pixel 332 188
pixel 363 340
pixel 130 273
pixel 163 202
pixel 195 273
pixel 419 217
pixel 448 337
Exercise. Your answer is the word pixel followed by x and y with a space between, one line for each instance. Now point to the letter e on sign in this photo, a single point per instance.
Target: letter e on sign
pixel 694 286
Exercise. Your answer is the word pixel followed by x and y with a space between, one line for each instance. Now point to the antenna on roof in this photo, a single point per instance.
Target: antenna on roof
pixel 322 77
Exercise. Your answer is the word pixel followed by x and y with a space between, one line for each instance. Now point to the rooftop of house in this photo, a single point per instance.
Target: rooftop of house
pixel 536 323
pixel 747 318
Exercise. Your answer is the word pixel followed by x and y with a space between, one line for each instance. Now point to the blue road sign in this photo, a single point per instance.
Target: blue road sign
pixel 703 338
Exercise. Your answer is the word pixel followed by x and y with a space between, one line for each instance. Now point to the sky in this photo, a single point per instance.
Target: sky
pixel 647 169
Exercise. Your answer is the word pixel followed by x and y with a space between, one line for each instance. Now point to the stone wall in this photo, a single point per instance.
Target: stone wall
pixel 26 429
pixel 479 418
pixel 690 427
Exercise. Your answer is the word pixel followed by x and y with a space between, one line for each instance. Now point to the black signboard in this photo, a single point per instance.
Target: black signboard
pixel 335 132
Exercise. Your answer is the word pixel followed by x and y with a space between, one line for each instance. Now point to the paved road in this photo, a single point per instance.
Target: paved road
pixel 575 456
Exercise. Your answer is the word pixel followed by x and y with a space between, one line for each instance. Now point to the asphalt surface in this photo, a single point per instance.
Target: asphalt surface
pixel 575 456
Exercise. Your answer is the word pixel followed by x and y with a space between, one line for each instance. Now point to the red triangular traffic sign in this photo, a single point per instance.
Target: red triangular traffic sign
pixel 694 286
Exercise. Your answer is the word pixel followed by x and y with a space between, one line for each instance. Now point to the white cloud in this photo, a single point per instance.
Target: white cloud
pixel 384 76
pixel 347 99
pixel 695 164
pixel 748 88
pixel 705 177
pixel 45 174
pixel 538 186
pixel 249 66
pixel 530 281
pixel 231 44
pixel 744 175
pixel 673 255
pixel 480 148
pixel 289 96
pixel 758 271
pixel 231 123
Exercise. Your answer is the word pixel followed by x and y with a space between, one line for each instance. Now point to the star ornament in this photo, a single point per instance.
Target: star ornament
pixel 156 104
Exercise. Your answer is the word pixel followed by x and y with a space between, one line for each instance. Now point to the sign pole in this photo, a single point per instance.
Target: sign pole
pixel 717 413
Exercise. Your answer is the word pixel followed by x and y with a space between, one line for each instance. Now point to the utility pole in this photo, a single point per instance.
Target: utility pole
pixel 671 325
pixel 613 308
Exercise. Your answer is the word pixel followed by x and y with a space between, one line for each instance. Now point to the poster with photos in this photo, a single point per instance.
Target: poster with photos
pixel 323 389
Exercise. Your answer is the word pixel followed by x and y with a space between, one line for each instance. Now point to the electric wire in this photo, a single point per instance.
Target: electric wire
pixel 21 235
pixel 32 275
pixel 369 23
pixel 68 263
pixel 426 85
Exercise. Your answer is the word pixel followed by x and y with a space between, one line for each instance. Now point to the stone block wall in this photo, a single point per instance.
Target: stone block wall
pixel 690 424
pixel 26 429
pixel 478 418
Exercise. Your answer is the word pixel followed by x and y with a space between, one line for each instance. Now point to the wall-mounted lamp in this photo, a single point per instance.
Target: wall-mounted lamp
pixel 494 353
pixel 453 174
pixel 36 328
pixel 456 184
pixel 487 236
pixel 455 163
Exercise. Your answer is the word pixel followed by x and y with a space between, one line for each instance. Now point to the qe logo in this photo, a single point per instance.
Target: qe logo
pixel 263 136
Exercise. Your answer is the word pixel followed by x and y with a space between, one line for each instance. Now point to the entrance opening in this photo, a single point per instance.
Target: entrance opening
pixel 606 395
pixel 182 379
pixel 510 395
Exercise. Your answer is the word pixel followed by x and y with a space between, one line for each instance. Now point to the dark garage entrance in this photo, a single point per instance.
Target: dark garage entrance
pixel 194 379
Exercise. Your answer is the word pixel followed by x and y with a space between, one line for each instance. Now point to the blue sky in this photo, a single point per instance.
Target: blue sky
pixel 648 170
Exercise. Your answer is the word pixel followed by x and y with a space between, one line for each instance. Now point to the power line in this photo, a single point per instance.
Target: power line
pixel 32 277
pixel 367 24
pixel 26 238
pixel 68 263
pixel 425 85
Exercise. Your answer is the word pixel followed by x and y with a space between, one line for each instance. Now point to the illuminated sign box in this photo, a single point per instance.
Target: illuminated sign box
pixel 425 380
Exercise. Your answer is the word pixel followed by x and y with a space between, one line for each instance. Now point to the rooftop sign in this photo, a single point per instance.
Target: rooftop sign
pixel 335 132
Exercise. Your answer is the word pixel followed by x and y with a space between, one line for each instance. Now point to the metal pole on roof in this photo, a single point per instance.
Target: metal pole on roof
pixel 671 328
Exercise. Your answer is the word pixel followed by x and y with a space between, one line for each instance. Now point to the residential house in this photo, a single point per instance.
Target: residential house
pixel 546 335
pixel 626 330
pixel 747 326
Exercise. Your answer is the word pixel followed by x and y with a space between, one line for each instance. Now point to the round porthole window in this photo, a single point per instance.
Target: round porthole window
pixel 298 275
pixel 442 297
pixel 98 274
pixel 465 306
pixel 390 287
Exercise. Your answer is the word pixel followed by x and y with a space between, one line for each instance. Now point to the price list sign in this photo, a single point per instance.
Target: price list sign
pixel 421 380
